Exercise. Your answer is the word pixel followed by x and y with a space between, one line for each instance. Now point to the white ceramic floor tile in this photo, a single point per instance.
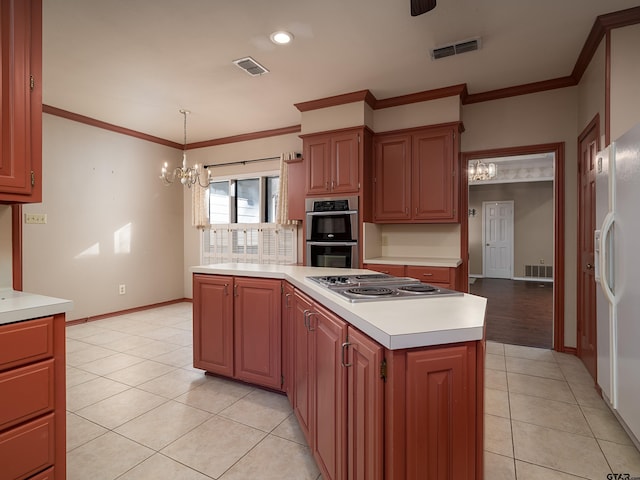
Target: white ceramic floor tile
pixel 153 349
pixel 181 357
pixel 174 383
pixel 548 413
pixel 566 452
pixel 530 353
pixel 495 348
pixel 110 364
pixel 159 467
pixel 289 429
pixel 495 379
pixel 274 459
pixel 540 387
pixel 88 393
pixel 120 408
pixel 497 467
pixel 494 362
pixel 76 376
pixel 497 435
pixel 605 426
pixel 163 425
pixel 534 368
pixel 260 409
pixel 622 458
pixel 140 372
pixel 215 394
pixel 81 431
pixel 105 458
pixel 528 471
pixel 496 402
pixel 87 355
pixel 213 447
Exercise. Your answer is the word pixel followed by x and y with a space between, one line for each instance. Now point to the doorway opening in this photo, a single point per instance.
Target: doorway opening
pixel 526 282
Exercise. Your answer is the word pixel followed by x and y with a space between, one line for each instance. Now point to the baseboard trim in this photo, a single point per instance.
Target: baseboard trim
pixel 519 279
pixel 78 321
pixel 570 350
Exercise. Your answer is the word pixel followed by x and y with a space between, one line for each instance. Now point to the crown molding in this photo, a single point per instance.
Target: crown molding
pixel 246 136
pixel 359 96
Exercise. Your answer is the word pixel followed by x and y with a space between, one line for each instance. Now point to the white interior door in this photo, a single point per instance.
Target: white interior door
pixel 497 238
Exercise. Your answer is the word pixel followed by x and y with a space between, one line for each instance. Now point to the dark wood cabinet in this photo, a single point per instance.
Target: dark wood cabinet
pixel 434 412
pixel 21 101
pixel 237 328
pixel 365 405
pixel 213 324
pixel 392 177
pixel 296 188
pixel 416 175
pixel 333 162
pixel 33 399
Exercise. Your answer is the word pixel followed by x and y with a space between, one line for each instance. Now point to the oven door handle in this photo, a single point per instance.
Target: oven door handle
pixel 335 244
pixel 333 212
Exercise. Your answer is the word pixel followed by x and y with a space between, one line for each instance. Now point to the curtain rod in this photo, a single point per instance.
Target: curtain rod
pixel 244 162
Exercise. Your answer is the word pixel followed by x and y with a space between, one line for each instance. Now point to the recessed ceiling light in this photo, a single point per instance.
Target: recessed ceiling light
pixel 281 37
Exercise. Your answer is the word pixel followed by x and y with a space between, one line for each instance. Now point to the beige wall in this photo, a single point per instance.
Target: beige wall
pixel 441 110
pixel 625 79
pixel 110 222
pixel 544 117
pixel 6 268
pixel 532 218
pixel 591 92
pixel 232 152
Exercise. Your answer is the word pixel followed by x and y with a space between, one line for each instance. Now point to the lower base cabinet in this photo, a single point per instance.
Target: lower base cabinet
pixel 33 399
pixel 237 328
pixel 367 413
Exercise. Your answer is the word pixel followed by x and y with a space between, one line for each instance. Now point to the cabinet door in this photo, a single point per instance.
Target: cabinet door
pixel 392 177
pixel 296 188
pixel 21 101
pixel 440 413
pixel 329 403
pixel 317 155
pixel 213 324
pixel 302 360
pixel 345 165
pixel 366 408
pixel 287 340
pixel 257 331
pixel 434 176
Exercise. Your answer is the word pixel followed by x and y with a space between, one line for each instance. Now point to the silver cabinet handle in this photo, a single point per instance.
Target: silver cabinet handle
pixel 427 274
pixel 235 290
pixel 226 289
pixel 345 345
pixel 306 319
pixel 288 297
pixel 309 321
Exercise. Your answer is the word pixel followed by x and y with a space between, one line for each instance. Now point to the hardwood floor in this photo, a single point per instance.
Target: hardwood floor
pixel 518 312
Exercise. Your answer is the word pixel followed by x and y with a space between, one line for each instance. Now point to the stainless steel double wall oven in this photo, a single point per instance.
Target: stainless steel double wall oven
pixel 332 232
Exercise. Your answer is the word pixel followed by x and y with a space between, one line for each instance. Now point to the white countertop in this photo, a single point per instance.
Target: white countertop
pixel 395 324
pixel 416 261
pixel 17 306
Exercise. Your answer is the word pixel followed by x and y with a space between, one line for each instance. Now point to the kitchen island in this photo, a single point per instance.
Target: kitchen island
pixel 381 389
pixel 32 385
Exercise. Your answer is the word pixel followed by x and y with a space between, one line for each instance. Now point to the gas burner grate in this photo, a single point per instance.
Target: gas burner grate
pixel 370 291
pixel 419 288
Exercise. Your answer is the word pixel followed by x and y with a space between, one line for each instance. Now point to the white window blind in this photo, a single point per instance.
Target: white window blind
pixel 250 243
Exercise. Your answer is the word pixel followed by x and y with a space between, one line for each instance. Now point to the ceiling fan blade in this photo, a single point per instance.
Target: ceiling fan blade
pixel 418 7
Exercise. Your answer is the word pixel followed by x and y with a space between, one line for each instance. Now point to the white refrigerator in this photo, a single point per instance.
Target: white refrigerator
pixel 617 263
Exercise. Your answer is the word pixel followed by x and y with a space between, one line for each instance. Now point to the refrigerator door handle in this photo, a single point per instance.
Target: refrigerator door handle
pixel 607 224
pixel 596 254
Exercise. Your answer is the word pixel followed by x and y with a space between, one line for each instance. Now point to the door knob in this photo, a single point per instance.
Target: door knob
pixel 589 266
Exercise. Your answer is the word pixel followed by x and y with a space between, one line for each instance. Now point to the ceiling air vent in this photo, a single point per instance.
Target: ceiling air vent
pixel 456 48
pixel 250 66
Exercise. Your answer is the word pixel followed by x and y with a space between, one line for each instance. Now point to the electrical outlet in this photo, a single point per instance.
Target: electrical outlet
pixel 542 261
pixel 39 218
pixel 122 289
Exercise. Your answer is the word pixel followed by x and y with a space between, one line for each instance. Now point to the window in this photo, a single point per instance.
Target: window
pixel 243 214
pixel 247 200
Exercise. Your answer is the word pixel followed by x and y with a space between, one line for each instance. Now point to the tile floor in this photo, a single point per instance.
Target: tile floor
pixel 137 410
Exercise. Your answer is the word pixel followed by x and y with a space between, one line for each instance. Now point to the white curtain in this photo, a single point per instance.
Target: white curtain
pixel 199 206
pixel 282 215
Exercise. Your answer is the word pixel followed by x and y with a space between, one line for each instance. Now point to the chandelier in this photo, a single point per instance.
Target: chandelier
pixel 187 175
pixel 479 170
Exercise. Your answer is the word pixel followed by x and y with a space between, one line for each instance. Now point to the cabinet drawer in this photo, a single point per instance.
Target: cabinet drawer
pixel 395 270
pixel 430 274
pixel 25 342
pixel 48 474
pixel 27 449
pixel 26 393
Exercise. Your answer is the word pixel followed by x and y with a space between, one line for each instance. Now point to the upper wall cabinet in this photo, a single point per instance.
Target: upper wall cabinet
pixel 416 175
pixel 21 101
pixel 334 161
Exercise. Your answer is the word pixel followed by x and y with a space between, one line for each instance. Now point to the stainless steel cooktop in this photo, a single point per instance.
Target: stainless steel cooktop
pixel 380 286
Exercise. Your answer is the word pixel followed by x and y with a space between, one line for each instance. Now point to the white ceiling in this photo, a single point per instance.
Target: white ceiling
pixel 135 63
